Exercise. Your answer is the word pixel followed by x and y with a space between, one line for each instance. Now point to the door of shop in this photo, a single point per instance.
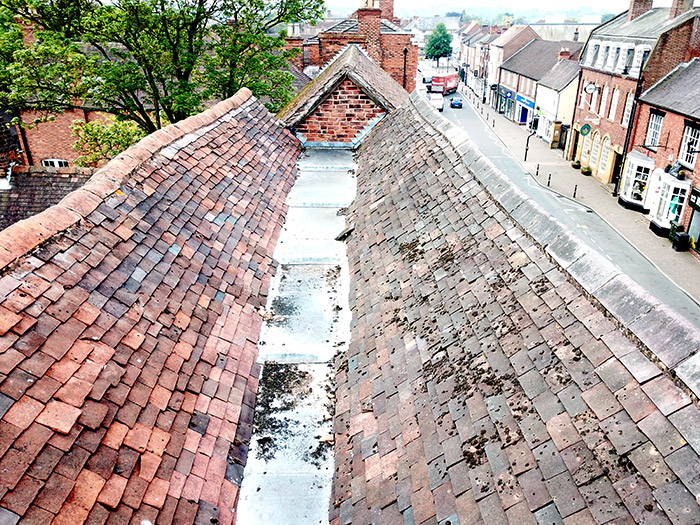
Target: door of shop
pixel 563 136
pixel 617 167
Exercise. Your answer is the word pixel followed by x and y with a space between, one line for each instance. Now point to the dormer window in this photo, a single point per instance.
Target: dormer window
pixel 628 61
pixel 593 56
pixel 613 65
pixel 604 58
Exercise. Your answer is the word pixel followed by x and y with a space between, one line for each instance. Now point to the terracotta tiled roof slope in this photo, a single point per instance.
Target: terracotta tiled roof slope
pixel 354 64
pixel 35 190
pixel 481 384
pixel 128 346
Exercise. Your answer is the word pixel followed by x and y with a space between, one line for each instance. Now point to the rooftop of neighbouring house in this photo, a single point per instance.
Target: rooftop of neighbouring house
pixel 561 75
pixel 33 190
pixel 508 35
pixel 350 63
pixel 645 28
pixel 128 326
pixel 351 25
pixel 484 382
pixel 678 91
pixel 428 23
pixel 538 57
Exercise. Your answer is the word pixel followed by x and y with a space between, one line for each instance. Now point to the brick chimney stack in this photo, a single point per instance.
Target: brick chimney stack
pixel 678 7
pixel 369 21
pixel 638 8
pixel 387 7
pixel 564 53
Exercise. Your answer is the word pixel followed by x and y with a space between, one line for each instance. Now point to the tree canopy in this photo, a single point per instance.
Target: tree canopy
pixel 438 44
pixel 150 61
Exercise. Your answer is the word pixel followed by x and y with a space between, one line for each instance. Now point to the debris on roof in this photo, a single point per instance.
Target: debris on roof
pixel 481 384
pixel 128 326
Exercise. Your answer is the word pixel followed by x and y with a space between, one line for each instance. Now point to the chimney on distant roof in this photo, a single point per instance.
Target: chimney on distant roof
pixel 678 7
pixel 369 24
pixel 638 8
pixel 494 30
pixel 564 53
pixel 576 35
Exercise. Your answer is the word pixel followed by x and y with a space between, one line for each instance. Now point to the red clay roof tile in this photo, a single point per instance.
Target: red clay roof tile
pixel 112 352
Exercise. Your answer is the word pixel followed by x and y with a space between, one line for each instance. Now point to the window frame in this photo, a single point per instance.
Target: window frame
pixel 653 137
pixel 683 154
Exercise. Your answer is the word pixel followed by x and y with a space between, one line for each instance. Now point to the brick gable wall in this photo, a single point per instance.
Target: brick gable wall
pixel 341 116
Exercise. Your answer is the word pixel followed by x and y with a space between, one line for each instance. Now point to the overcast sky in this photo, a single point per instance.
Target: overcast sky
pixel 440 7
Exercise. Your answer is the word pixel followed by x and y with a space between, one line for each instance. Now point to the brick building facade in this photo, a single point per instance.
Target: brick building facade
pixel 661 180
pixel 622 57
pixel 372 27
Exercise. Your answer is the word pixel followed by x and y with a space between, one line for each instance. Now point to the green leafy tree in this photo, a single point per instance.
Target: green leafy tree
pixel 607 16
pixel 438 44
pixel 151 61
pixel 100 140
pixel 10 42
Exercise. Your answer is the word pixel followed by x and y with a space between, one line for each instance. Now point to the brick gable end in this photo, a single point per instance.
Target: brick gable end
pixel 341 116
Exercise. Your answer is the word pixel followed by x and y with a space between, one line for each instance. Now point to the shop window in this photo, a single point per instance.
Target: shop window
pixel 628 110
pixel 656 120
pixel 595 150
pixel 636 180
pixel 613 105
pixel 604 155
pixel 690 144
pixel 671 204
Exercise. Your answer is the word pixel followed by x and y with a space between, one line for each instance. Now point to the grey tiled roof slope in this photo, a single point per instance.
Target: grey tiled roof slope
pixel 679 91
pixel 561 75
pixel 481 385
pixel 352 63
pixel 32 193
pixel 538 57
pixel 644 28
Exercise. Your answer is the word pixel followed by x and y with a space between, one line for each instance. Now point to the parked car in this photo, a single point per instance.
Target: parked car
pixel 437 101
pixel 456 102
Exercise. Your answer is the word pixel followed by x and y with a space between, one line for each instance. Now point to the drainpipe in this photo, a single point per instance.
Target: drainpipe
pixel 628 136
pixel 573 117
pixel 405 56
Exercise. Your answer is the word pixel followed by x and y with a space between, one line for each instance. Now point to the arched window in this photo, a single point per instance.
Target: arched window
pixel 595 150
pixel 586 148
pixel 604 155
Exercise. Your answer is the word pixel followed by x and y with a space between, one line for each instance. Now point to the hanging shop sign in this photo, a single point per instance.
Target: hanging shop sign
pixel 585 129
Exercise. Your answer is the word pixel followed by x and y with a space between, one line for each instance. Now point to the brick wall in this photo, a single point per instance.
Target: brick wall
pixel 672 48
pixel 296 43
pixel 392 59
pixel 52 140
pixel 339 118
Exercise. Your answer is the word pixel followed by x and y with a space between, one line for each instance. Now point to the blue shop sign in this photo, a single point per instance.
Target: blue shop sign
pixel 525 101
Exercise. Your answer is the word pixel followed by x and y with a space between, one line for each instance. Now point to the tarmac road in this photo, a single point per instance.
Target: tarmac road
pixel 581 220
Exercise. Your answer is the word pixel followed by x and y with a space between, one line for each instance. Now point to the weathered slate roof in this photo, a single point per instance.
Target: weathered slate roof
pixel 561 75
pixel 539 56
pixel 351 63
pixel 128 327
pixel 481 384
pixel 679 91
pixel 32 191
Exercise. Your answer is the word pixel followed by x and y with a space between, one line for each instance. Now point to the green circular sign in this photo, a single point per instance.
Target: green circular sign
pixel 585 129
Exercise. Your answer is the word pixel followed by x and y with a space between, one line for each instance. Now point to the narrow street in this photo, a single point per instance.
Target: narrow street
pixel 682 294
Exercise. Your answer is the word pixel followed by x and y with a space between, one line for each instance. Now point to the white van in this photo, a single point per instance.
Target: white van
pixel 437 101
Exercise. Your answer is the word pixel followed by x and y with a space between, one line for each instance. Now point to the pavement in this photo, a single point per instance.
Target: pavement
pixel 621 235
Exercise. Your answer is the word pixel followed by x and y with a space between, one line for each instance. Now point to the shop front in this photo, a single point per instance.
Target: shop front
pixel 667 198
pixel 694 224
pixel 506 102
pixel 633 190
pixel 524 110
